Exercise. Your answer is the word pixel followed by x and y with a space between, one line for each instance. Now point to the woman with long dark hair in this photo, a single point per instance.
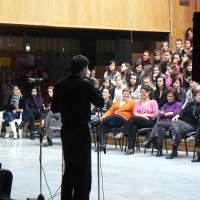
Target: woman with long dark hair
pixel 134 85
pixel 160 94
pixel 33 105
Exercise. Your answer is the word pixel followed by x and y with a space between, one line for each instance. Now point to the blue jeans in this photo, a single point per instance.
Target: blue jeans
pixel 9 117
pixel 108 123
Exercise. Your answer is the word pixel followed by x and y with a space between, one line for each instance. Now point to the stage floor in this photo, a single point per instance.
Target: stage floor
pixel 139 176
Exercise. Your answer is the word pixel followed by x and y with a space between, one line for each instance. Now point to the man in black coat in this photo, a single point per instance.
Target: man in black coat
pixel 72 98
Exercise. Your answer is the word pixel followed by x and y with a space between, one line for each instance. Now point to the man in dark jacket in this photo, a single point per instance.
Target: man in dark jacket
pixel 72 98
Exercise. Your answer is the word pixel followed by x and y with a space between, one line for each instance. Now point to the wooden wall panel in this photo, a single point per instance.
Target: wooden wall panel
pixel 138 15
pixel 181 20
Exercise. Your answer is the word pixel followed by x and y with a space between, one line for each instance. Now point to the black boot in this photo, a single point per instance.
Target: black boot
pixel 21 125
pixel 32 135
pixel 197 158
pixel 49 143
pixel 159 152
pixel 147 143
pixel 174 153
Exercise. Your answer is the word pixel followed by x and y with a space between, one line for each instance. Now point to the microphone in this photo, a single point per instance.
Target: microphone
pixel 31 80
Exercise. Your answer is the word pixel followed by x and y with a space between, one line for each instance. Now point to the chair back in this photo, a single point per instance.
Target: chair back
pixel 6 178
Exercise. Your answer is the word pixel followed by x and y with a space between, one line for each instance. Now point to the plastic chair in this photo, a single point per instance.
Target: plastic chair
pixel 1 120
pixel 6 178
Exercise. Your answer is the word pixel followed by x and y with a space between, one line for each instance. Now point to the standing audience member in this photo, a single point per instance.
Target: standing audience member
pixel 157 57
pixel 177 84
pixel 7 87
pixel 145 59
pixel 189 35
pixel 139 70
pixel 112 72
pixel 15 106
pixel 75 133
pixel 187 48
pixel 164 48
pixel 24 82
pixel 134 85
pixel 157 71
pixel 172 74
pixel 187 75
pixel 145 113
pixel 177 60
pixel 118 89
pixel 190 94
pixel 179 45
pixel 125 72
pixel 166 60
pixel 160 94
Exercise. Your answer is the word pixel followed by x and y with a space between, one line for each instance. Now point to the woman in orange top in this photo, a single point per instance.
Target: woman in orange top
pixel 118 114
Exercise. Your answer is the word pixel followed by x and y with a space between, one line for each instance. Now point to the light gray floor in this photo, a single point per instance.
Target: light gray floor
pixel 135 177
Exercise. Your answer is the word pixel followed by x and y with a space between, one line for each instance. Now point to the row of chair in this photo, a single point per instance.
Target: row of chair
pixel 141 132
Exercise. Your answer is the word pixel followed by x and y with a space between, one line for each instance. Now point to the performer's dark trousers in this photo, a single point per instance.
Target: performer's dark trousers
pixel 76 181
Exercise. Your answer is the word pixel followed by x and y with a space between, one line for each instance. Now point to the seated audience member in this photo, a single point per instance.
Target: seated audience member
pixel 49 98
pixel 190 94
pixel 118 89
pixel 97 113
pixel 145 114
pixel 148 71
pixel 32 112
pixel 172 74
pixel 166 114
pixel 7 86
pixel 112 72
pixel 47 81
pixel 160 94
pixel 184 122
pixel 15 106
pixel 177 84
pixel 134 85
pixel 50 118
pixel 118 114
pixel 125 72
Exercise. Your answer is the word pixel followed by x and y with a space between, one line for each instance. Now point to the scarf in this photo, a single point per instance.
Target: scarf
pixel 15 100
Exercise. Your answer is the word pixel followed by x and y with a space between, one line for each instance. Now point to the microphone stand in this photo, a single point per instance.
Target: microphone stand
pixel 99 129
pixel 40 131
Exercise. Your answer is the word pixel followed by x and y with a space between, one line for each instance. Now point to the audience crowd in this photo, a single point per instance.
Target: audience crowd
pixel 157 86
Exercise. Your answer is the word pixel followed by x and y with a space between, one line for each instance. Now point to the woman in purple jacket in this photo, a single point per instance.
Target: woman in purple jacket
pixel 167 112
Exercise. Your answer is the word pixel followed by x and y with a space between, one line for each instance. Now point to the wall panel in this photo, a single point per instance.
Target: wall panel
pixel 136 15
